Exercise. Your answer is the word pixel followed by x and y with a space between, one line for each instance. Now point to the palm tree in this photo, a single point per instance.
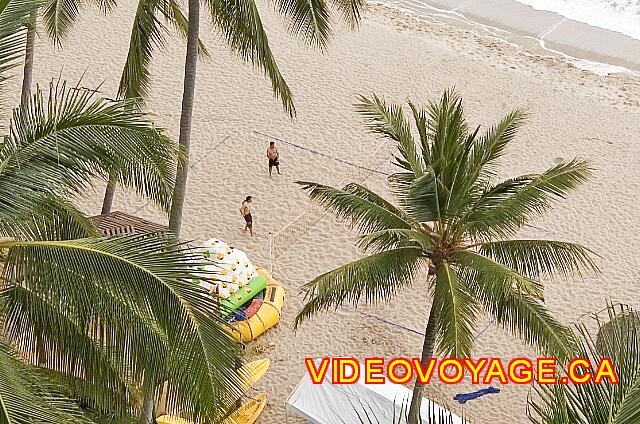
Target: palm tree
pixel 27 76
pixel 148 34
pixel 184 137
pixel 106 320
pixel 454 219
pixel 617 339
pixel 241 26
pixel 59 16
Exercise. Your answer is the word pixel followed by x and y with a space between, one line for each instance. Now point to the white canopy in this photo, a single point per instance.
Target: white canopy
pixel 327 403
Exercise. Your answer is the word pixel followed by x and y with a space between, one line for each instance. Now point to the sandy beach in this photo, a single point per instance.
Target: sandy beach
pixel 573 113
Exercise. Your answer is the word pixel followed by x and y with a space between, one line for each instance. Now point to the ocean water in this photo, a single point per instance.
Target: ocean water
pixel 615 15
pixel 622 16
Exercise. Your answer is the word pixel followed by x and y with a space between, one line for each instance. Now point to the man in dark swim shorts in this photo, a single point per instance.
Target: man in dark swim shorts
pixel 245 210
pixel 274 157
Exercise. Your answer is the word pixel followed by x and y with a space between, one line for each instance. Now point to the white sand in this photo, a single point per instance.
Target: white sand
pixel 573 113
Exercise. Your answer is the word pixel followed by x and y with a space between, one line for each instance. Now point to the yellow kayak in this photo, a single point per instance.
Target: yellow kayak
pixel 266 317
pixel 253 371
pixel 168 419
pixel 246 414
pixel 249 412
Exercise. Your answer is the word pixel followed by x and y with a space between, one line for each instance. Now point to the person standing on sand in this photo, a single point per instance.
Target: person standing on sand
pixel 245 210
pixel 274 157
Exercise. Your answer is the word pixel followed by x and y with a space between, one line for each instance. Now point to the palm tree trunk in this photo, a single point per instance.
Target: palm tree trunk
pixel 188 94
pixel 27 76
pixel 427 353
pixel 108 195
pixel 146 416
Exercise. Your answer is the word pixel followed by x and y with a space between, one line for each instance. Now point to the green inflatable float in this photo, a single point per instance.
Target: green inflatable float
pixel 242 296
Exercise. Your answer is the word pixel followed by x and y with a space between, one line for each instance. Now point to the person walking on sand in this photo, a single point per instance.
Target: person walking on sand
pixel 274 157
pixel 245 210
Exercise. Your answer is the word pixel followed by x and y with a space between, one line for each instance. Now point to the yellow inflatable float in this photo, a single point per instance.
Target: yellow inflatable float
pixel 267 315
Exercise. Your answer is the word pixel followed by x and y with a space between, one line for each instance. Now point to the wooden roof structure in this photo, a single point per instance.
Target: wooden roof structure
pixel 120 223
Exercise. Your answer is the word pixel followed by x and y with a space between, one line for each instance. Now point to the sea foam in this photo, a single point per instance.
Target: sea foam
pixel 615 15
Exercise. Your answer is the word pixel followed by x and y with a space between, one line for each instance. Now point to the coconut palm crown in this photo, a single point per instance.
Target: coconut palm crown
pixel 455 219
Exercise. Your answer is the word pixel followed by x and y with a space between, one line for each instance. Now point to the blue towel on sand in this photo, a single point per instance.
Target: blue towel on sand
pixel 464 397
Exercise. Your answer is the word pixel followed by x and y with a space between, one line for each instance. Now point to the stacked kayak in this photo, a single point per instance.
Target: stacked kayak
pixel 246 414
pixel 249 412
pixel 250 299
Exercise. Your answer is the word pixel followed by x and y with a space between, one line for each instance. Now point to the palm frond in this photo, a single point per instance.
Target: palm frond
pixel 399 183
pixel 538 258
pixel 105 6
pixel 504 208
pixel 147 35
pixel 492 144
pixel 377 277
pixel 241 25
pixel 422 198
pixel 553 408
pixel 389 121
pixel 354 203
pixel 27 397
pixel 497 271
pixel 52 219
pixel 309 19
pixel 58 17
pixel 449 145
pixel 135 290
pixel 448 133
pixel 14 15
pixel 379 241
pixel 456 312
pixel 618 339
pixel 350 10
pixel 59 145
pixel 629 410
pixel 99 403
pixel 368 195
pixel 421 119
pixel 523 315
pixel 58 336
